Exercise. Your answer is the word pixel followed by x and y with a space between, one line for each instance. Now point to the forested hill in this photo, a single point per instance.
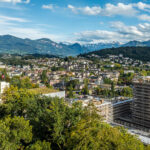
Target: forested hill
pixel 140 53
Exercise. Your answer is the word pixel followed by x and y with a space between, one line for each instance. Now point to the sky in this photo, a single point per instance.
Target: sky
pixel 82 21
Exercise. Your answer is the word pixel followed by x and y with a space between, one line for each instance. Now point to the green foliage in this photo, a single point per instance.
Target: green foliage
pixel 72 83
pixel 16 81
pixel 91 134
pixel 113 89
pixel 85 90
pixel 117 66
pixel 143 73
pixel 70 91
pixel 102 69
pixel 24 83
pixel 34 122
pixel 125 78
pixel 14 132
pixel 69 58
pixel 40 146
pixel 107 81
pixel 57 68
pixel 44 77
pixel 86 81
pixel 98 90
pixel 50 118
pixel 71 86
pixel 15 61
pixel 15 102
pixel 127 92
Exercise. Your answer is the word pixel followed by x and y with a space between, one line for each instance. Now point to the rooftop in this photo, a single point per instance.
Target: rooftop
pixel 43 90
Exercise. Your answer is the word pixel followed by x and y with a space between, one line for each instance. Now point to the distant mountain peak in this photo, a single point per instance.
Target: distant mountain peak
pixel 134 43
pixel 44 40
pixel 11 44
pixel 102 45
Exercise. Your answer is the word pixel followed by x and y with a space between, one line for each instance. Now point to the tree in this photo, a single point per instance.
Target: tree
pixel 26 83
pixel 113 89
pixel 15 132
pixel 117 66
pixel 85 90
pixel 72 83
pixel 143 73
pixel 98 90
pixel 40 146
pixel 126 78
pixel 15 81
pixel 127 91
pixel 102 69
pixel 15 102
pixel 44 77
pixel 70 94
pixel 91 133
pixel 29 121
pixel 105 92
pixel 22 82
pixel 52 119
pixel 107 81
pixel 86 81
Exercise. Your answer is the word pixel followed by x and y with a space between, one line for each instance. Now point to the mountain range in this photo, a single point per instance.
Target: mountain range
pixel 11 44
pixel 137 43
pixel 99 46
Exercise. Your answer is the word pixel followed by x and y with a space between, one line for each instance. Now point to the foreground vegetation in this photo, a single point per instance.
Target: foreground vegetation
pixel 34 122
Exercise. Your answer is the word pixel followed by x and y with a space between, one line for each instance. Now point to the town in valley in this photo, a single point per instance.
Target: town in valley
pixel 115 84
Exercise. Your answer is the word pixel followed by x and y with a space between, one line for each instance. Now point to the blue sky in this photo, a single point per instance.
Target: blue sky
pixel 83 21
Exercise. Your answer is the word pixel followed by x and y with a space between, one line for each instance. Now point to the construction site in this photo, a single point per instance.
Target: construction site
pixel 135 113
pixel 141 104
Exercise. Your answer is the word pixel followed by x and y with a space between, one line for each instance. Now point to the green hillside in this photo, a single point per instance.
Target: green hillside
pixel 140 53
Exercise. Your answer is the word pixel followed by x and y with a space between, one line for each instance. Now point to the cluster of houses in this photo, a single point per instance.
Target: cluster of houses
pixel 80 68
pixel 124 61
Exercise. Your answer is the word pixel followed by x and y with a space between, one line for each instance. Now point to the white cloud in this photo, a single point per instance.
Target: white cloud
pixel 131 9
pixel 86 10
pixel 91 10
pixel 73 9
pixel 15 1
pixel 14 26
pixel 119 9
pixel 142 6
pixel 23 32
pixel 7 18
pixel 126 30
pixel 5 23
pixel 94 36
pixel 120 32
pixel 144 17
pixel 50 6
pixel 108 10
